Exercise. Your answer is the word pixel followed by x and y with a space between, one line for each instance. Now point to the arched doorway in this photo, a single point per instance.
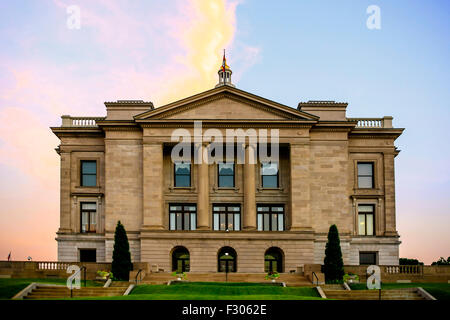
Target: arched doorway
pixel 180 259
pixel 227 260
pixel 273 260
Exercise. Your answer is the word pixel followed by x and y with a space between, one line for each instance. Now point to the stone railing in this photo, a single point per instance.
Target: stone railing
pixel 416 269
pixel 370 123
pixel 52 265
pixel 68 121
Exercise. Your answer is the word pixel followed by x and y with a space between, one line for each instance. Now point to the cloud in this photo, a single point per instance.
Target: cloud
pixel 122 51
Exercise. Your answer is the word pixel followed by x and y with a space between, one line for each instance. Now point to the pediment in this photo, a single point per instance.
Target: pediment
pixel 225 103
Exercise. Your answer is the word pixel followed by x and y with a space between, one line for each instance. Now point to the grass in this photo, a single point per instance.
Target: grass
pixel 10 287
pixel 184 291
pixel 440 291
pixel 222 291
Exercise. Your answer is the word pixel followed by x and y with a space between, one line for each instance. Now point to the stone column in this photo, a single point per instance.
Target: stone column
pixel 301 219
pixel 249 188
pixel 202 188
pixel 389 191
pixel 153 213
pixel 65 200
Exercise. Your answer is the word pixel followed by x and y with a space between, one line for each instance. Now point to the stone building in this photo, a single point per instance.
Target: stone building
pixel 229 215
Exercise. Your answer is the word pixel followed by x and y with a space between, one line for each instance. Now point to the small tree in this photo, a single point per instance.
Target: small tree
pixel 441 262
pixel 409 262
pixel 333 263
pixel 121 263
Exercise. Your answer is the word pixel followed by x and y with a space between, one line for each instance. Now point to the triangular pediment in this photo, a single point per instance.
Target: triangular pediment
pixel 225 103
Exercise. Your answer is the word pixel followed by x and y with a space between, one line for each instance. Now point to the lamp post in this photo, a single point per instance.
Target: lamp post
pixel 226 267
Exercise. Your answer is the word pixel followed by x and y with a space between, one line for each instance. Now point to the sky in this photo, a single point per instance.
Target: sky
pixel 161 51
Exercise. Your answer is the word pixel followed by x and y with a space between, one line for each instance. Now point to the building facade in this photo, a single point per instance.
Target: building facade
pixel 229 215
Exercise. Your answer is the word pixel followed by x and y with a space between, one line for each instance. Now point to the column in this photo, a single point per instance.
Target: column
pixel 301 219
pixel 153 213
pixel 203 188
pixel 249 188
pixel 389 191
pixel 65 200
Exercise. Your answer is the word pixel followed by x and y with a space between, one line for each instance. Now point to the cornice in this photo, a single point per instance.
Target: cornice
pixel 227 124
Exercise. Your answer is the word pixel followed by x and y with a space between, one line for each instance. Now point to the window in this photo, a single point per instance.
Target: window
pixel 227 258
pixel 273 260
pixel 226 175
pixel 270 217
pixel 88 217
pixel 227 217
pixel 182 217
pixel 88 173
pixel 365 175
pixel 180 260
pixel 269 175
pixel 182 174
pixel 366 220
pixel 88 255
pixel 368 258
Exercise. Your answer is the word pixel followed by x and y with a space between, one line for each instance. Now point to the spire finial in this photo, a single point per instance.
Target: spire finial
pixel 224 73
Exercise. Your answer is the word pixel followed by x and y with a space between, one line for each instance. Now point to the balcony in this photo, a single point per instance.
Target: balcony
pixel 80 122
pixel 372 123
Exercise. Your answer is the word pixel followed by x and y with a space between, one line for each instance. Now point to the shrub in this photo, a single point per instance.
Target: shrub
pixel 121 263
pixel 441 262
pixel 409 262
pixel 181 275
pixel 333 264
pixel 349 276
pixel 272 275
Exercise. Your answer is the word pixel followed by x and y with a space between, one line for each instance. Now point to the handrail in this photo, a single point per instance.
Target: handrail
pixel 137 274
pixel 317 278
pixel 84 280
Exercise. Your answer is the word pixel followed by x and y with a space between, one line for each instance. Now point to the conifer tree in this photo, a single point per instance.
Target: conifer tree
pixel 121 263
pixel 333 263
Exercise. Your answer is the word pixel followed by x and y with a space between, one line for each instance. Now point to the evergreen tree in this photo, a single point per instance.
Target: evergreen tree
pixel 333 263
pixel 121 263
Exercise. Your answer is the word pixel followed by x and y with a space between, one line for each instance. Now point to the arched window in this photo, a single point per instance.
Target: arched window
pixel 180 259
pixel 227 258
pixel 273 260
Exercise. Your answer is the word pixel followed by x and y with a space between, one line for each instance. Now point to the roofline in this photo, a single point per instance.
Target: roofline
pixel 231 89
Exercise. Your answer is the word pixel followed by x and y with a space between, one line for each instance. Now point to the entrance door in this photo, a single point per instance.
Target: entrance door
pixel 227 260
pixel 180 260
pixel 273 260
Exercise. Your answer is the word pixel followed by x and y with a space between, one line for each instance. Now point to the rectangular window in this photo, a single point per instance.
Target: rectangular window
pixel 227 217
pixel 88 173
pixel 269 175
pixel 88 217
pixel 366 221
pixel 182 174
pixel 88 255
pixel 182 217
pixel 367 258
pixel 270 217
pixel 226 175
pixel 365 175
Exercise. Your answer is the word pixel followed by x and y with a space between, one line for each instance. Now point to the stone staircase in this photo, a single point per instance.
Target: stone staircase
pixel 58 292
pixel 291 280
pixel 397 294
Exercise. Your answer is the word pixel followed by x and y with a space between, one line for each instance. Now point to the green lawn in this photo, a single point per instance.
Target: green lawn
pixel 216 291
pixel 222 291
pixel 9 287
pixel 440 291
